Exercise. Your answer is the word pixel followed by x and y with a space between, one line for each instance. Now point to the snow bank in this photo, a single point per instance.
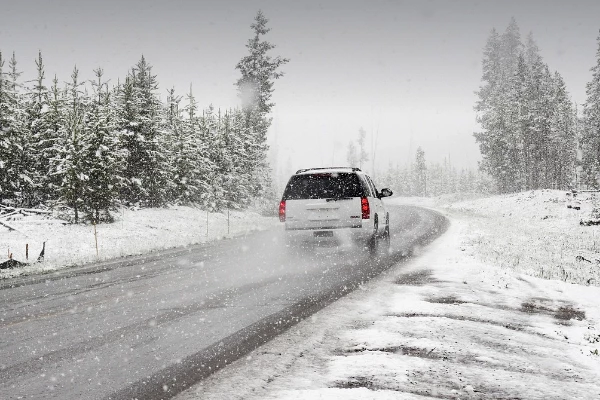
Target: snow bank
pixel 536 233
pixel 133 232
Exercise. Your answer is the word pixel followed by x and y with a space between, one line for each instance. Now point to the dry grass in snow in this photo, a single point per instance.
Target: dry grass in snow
pixel 535 233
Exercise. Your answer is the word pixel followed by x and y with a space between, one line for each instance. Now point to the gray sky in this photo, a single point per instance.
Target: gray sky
pixel 406 71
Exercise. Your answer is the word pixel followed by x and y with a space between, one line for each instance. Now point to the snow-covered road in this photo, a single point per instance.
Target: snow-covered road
pixel 445 325
pixel 150 326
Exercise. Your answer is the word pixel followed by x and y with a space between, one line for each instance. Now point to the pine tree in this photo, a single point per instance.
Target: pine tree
pixel 38 127
pixel 231 196
pixel 518 142
pixel 510 49
pixel 543 87
pixel 491 109
pixel 54 142
pixel 237 183
pixel 590 140
pixel 191 166
pixel 102 159
pixel 140 120
pixel 363 157
pixel 258 69
pixel 7 140
pixel 181 191
pixel 209 127
pixel 435 180
pixel 199 150
pixel 16 163
pixel 130 141
pixel 73 148
pixel 563 151
pixel 255 88
pixel 352 155
pixel 420 173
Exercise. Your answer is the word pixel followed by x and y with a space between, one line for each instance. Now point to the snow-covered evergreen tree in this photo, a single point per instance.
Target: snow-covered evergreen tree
pixel 258 69
pixel 542 106
pixel 510 49
pixel 39 130
pixel 517 129
pixel 255 88
pixel 522 117
pixel 563 143
pixel 492 109
pixel 191 166
pixel 140 120
pixel 217 153
pixel 55 139
pixel 181 189
pixel 102 159
pixel 238 182
pixel 7 137
pixel 72 148
pixel 590 140
pixel 352 155
pixel 41 123
pixel 16 162
pixel 363 157
pixel 420 173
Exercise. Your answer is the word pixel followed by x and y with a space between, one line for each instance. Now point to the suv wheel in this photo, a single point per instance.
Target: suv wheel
pixel 373 241
pixel 386 239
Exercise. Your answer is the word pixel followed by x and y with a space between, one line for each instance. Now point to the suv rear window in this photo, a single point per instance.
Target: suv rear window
pixel 323 186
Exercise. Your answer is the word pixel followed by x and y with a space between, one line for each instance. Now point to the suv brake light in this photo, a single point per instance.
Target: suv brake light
pixel 364 206
pixel 282 211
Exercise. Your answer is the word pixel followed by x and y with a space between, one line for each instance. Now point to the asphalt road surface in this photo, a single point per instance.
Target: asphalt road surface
pixel 150 327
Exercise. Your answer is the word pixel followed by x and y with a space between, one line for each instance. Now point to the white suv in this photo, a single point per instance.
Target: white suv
pixel 337 203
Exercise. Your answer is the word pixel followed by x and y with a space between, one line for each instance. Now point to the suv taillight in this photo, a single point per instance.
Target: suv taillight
pixel 282 210
pixel 364 207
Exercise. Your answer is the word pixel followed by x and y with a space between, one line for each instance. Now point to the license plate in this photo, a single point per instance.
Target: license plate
pixel 323 216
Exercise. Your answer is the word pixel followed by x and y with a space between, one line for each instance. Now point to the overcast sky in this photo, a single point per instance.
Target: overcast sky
pixel 405 71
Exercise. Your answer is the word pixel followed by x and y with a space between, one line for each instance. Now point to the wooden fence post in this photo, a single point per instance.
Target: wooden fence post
pixel 95 237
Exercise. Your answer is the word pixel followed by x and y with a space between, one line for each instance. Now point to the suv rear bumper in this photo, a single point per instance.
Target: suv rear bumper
pixel 361 232
pixel 322 228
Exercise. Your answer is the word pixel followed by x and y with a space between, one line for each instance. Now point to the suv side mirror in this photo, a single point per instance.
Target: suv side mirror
pixel 385 193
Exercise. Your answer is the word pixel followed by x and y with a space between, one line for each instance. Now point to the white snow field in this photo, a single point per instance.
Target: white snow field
pixel 134 232
pixel 465 319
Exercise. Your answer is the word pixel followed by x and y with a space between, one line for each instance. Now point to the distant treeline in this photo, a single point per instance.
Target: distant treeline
pixel 434 179
pixel 89 147
pixel 531 134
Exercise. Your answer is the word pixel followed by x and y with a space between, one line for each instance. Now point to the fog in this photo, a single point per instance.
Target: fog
pixel 405 71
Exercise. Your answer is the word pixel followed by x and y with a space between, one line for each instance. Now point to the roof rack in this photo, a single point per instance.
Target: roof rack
pixel 354 169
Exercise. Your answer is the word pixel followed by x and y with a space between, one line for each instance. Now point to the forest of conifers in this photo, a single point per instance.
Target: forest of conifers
pixel 532 135
pixel 89 147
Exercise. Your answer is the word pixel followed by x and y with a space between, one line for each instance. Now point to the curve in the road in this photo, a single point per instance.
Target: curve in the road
pixel 173 380
pixel 150 327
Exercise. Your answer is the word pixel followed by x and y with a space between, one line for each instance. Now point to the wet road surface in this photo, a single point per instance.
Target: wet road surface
pixel 149 327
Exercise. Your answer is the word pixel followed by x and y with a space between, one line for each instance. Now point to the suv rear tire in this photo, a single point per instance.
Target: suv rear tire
pixel 373 241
